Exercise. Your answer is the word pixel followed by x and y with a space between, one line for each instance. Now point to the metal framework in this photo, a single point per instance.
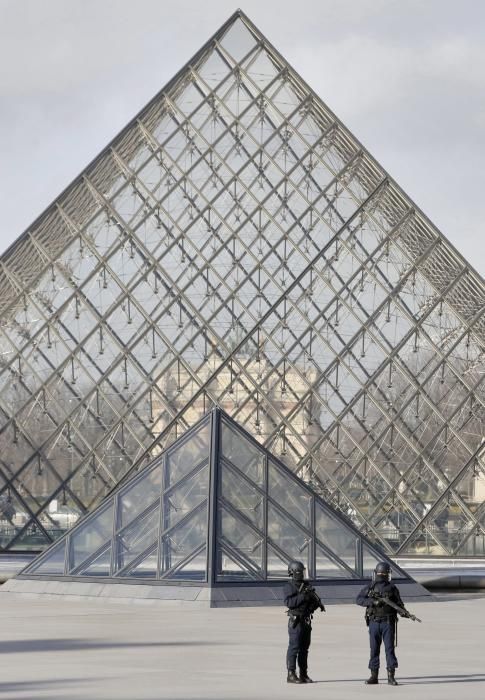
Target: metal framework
pixel 214 508
pixel 236 246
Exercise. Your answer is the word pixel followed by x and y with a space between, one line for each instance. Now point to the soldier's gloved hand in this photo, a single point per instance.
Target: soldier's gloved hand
pixel 377 603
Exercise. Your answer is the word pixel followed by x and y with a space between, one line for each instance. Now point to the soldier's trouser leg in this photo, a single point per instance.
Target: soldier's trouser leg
pixel 375 639
pixel 293 646
pixel 305 641
pixel 388 636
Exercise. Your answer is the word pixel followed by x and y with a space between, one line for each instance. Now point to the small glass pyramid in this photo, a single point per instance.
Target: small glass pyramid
pixel 214 507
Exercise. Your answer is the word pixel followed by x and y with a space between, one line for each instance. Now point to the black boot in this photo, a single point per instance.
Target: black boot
pixel 374 677
pixel 292 677
pixel 304 677
pixel 390 677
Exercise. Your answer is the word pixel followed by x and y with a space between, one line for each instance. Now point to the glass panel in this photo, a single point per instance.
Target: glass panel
pixel 335 535
pixel 139 496
pixel 54 564
pixel 33 538
pixel 449 523
pixel 100 566
pixel 238 41
pixel 244 497
pixel 243 454
pixel 369 561
pixel 185 539
pixel 136 538
pixel 186 457
pixel 289 495
pixel 277 567
pixel 90 536
pixel 193 570
pixel 326 568
pixel 230 570
pixel 242 538
pixel 474 546
pixel 423 543
pixel 186 496
pixel 147 568
pixel 293 541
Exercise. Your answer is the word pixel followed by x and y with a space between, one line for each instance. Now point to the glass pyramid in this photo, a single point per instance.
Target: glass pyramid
pixel 236 246
pixel 215 507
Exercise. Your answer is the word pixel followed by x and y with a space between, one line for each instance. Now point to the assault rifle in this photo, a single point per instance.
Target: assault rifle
pixel 313 595
pixel 388 601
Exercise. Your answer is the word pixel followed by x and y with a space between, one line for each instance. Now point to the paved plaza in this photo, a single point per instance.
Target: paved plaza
pixel 78 650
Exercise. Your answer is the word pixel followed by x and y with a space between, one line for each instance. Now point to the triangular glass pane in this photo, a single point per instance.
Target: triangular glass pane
pixel 184 539
pixel 53 562
pixel 194 570
pixel 232 570
pixel 91 535
pixel 238 40
pixel 326 568
pixel 335 535
pixel 146 568
pixel 242 496
pixel 287 536
pixel 289 494
pixel 134 499
pixel 474 545
pixel 370 559
pixel 277 567
pixel 136 538
pixel 187 495
pixel 241 537
pixel 99 566
pixel 185 457
pixel 423 543
pixel 241 452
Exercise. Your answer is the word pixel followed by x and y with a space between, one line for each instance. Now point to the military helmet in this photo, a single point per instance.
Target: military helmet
pixel 383 569
pixel 296 567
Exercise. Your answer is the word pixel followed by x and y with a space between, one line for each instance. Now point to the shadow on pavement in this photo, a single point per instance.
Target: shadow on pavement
pixel 432 680
pixel 446 596
pixel 19 646
pixel 414 680
pixel 31 686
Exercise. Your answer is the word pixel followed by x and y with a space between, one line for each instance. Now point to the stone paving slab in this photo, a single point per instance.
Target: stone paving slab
pixel 101 651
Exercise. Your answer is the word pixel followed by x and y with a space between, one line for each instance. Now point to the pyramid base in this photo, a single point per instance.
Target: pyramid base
pixel 201 596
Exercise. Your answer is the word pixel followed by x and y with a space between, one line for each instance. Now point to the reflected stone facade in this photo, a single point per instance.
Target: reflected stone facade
pixel 236 246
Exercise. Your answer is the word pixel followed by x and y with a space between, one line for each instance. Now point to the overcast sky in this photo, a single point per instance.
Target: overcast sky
pixel 406 76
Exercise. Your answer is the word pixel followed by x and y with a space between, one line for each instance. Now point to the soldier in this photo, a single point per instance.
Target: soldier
pixel 302 601
pixel 381 620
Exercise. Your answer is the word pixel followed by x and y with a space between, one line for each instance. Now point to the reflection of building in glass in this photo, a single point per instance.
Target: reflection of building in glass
pixel 236 246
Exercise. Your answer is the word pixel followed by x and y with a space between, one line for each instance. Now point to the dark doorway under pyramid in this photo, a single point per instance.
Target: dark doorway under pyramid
pixel 214 509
